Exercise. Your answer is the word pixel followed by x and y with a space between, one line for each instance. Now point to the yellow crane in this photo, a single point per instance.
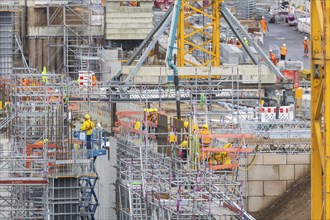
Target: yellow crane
pixel 320 109
pixel 208 30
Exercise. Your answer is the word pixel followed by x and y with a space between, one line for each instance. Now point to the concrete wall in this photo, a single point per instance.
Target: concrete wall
pixel 248 73
pixel 270 176
pixel 126 22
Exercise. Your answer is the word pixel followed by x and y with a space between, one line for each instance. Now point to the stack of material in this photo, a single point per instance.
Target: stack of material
pixel 230 54
pixel 304 25
pixel 293 65
pixel 245 9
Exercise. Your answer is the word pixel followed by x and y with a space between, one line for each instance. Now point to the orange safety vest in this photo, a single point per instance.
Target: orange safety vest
pixel 25 82
pixel 205 140
pixel 306 42
pixel 273 58
pixel 284 50
pixel 263 25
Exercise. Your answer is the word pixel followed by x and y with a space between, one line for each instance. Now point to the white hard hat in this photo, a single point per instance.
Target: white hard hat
pixel 305 37
pixel 270 50
pixel 231 37
pixel 262 17
pixel 284 45
pixel 244 38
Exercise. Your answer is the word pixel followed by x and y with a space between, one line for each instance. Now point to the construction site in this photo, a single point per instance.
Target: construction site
pixel 161 109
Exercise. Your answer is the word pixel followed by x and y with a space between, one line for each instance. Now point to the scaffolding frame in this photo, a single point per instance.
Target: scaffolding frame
pixel 169 185
pixel 78 36
pixel 41 154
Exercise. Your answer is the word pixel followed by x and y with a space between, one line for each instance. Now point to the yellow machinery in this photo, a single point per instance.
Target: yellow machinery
pixel 320 109
pixel 209 30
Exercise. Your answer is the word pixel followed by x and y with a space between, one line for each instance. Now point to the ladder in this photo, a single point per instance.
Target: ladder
pixel 137 206
pixel 6 120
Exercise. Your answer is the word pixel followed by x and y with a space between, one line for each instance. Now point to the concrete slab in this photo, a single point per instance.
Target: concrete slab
pixel 256 203
pixel 286 172
pixel 274 159
pixel 263 172
pixel 298 159
pixel 256 188
pixel 300 170
pixel 274 188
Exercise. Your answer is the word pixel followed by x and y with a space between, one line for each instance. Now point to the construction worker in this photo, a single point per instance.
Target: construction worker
pixel 272 57
pixel 25 82
pixel 246 41
pixel 231 40
pixel 306 46
pixel 186 125
pixel 205 141
pixel 284 50
pixel 238 44
pixel 88 127
pixel 183 150
pixel 223 157
pixel 264 25
pixel 44 78
pixel 94 80
pixel 152 116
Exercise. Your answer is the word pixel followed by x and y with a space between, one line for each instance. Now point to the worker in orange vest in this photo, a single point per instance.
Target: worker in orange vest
pixel 25 82
pixel 264 25
pixel 272 57
pixel 284 51
pixel 231 40
pixel 238 44
pixel 205 143
pixel 306 46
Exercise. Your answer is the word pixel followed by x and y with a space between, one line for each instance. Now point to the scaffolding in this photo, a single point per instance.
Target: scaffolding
pixel 46 172
pixel 74 33
pixel 155 180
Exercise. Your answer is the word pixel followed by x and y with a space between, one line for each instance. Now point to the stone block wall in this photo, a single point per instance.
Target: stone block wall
pixel 270 176
pixel 126 22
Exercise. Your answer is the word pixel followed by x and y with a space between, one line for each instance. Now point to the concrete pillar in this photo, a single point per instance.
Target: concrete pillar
pixel 59 54
pixel 45 53
pixel 32 52
pixel 52 55
pixel 31 18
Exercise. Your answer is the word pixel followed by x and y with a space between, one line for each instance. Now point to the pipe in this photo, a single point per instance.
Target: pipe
pixel 170 63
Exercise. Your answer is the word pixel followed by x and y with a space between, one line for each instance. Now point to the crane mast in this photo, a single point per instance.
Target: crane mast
pixel 208 30
pixel 320 109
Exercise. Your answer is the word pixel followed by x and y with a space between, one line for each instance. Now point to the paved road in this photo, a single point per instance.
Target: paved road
pixel 279 34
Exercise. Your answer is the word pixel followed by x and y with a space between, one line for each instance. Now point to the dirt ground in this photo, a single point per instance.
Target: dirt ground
pixel 295 204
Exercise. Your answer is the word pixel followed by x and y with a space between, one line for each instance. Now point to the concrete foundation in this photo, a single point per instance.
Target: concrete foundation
pixel 270 176
pixel 247 73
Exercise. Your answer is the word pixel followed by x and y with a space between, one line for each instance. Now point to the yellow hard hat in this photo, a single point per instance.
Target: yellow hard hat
pixel 205 126
pixel 87 116
pixel 184 144
pixel 144 109
pixel 45 140
pixel 185 124
pixel 155 110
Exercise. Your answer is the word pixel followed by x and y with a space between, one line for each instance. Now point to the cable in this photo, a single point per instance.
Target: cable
pixel 252 163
